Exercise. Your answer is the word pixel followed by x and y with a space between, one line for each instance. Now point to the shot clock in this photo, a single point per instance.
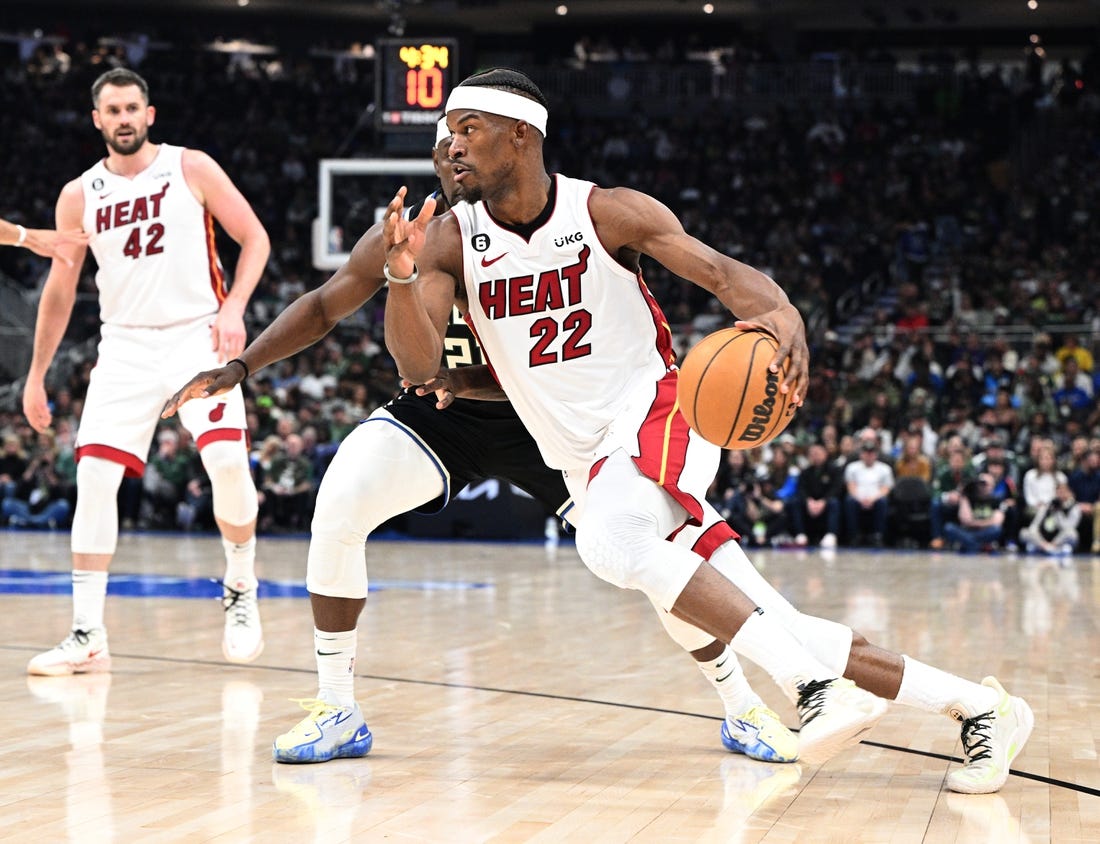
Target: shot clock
pixel 413 78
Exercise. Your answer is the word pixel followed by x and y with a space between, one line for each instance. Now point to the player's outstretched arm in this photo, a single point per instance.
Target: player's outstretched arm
pixel 45 242
pixel 305 321
pixel 632 222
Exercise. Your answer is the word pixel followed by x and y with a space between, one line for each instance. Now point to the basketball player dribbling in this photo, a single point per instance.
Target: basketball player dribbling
pixel 434 453
pixel 149 211
pixel 546 269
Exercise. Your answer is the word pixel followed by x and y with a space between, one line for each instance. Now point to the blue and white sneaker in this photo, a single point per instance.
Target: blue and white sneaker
pixel 759 734
pixel 330 731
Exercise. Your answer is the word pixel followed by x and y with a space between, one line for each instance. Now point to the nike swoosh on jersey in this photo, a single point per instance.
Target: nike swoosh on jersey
pixel 486 263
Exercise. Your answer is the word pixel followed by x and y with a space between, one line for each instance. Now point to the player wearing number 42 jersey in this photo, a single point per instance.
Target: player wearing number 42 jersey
pixel 149 211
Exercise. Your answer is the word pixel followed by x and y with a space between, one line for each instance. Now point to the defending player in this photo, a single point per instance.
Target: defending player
pixel 149 210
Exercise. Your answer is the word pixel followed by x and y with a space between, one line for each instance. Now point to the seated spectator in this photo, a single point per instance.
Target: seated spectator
pixel 1053 530
pixel 166 476
pixel 1085 483
pixel 288 486
pixel 814 510
pixel 981 518
pixel 868 481
pixel 39 498
pixel 912 462
pixel 947 487
pixel 732 489
pixel 1041 480
pixel 13 463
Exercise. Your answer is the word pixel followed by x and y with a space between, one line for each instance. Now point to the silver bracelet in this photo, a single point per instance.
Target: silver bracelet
pixel 22 234
pixel 394 280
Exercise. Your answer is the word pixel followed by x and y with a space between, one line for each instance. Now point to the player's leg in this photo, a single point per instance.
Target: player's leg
pixel 995 725
pixel 219 428
pixel 382 469
pixel 620 537
pixel 116 427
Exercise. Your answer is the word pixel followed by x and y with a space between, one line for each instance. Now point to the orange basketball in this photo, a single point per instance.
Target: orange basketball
pixel 727 393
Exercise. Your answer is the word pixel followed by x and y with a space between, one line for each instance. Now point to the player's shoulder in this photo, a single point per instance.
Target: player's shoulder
pixel 72 193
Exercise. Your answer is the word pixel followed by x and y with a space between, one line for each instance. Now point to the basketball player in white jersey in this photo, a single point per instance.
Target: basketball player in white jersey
pixel 433 453
pixel 546 269
pixel 44 242
pixel 149 211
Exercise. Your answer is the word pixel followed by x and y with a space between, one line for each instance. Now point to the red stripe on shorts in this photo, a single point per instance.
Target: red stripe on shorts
pixel 135 466
pixel 217 434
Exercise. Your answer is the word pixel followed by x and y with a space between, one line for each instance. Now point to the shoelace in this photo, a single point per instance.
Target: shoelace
pixel 757 715
pixel 811 699
pixel 315 706
pixel 976 738
pixel 238 604
pixel 79 638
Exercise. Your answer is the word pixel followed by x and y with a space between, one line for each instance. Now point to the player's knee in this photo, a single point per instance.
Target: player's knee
pixel 614 548
pixel 234 493
pixel 336 568
pixel 95 521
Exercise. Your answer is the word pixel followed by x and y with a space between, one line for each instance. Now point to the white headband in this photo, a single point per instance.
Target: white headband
pixel 441 130
pixel 495 101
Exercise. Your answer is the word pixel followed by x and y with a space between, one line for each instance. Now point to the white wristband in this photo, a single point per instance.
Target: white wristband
pixel 393 280
pixel 22 234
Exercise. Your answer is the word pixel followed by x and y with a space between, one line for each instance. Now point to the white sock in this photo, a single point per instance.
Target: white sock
pixel 89 596
pixel 771 646
pixel 933 690
pixel 240 562
pixel 728 678
pixel 336 664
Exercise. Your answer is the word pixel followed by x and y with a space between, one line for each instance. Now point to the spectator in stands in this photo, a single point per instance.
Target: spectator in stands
pixel 912 462
pixel 1053 528
pixel 288 485
pixel 981 518
pixel 814 510
pixel 1042 480
pixel 868 481
pixel 947 488
pixel 13 463
pixel 39 498
pixel 1084 481
pixel 164 481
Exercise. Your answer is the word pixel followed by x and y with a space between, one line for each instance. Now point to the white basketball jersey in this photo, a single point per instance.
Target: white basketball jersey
pixel 154 243
pixel 575 339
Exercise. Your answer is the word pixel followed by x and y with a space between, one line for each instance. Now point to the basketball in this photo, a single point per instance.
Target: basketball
pixel 726 392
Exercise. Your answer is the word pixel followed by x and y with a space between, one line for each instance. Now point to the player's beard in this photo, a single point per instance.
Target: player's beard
pixel 135 142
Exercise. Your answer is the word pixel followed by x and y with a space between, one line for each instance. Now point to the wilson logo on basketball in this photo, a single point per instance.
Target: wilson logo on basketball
pixel 218 412
pixel 762 413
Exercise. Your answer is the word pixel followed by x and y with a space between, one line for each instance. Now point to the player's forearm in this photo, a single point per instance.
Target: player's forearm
pixel 299 326
pixel 9 233
pixel 476 382
pixel 54 310
pixel 255 250
pixel 411 337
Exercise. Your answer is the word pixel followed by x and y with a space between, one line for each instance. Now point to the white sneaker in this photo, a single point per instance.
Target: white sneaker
pixel 990 742
pixel 801 540
pixel 244 636
pixel 834 714
pixel 82 651
pixel 828 541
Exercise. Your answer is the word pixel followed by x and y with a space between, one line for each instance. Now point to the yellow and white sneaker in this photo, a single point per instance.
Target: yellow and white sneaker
pixel 330 731
pixel 991 741
pixel 759 734
pixel 834 714
pixel 81 652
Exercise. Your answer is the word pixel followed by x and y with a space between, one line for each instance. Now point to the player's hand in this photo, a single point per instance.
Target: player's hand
pixel 786 326
pixel 403 239
pixel 53 244
pixel 227 333
pixel 440 385
pixel 36 407
pixel 213 382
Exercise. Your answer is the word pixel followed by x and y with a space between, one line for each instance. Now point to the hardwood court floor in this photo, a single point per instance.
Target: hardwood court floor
pixel 514 697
